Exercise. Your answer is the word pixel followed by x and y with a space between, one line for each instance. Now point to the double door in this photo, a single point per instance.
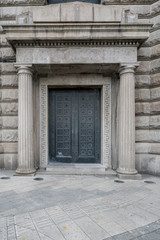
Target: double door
pixel 74 125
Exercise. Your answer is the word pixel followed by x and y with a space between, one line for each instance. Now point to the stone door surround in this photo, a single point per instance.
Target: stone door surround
pixel 102 41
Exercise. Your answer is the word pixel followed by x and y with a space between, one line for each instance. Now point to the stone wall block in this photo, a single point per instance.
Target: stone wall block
pixel 142 108
pixel 155 8
pixel 144 52
pixel 7 68
pixel 151 148
pixel 155 108
pixel 9 108
pixel 153 39
pixel 9 81
pixel 147 135
pixel 9 135
pixel 3 41
pixel 10 161
pixel 142 81
pixel 142 94
pixel 156 22
pixel 10 122
pixel 144 67
pixel 154 121
pixel 155 51
pixel 155 79
pixel 142 122
pixel 9 94
pixel 148 163
pixel 155 66
pixel 155 93
pixel 10 147
pixel 7 53
pixel 11 12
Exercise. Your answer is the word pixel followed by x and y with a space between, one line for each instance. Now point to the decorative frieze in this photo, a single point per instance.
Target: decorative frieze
pixel 72 43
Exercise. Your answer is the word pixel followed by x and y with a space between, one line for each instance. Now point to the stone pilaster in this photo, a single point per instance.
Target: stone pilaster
pixel 25 121
pixel 127 123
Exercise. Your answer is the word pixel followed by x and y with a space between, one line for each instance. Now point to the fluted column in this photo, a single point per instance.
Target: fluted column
pixel 127 123
pixel 25 121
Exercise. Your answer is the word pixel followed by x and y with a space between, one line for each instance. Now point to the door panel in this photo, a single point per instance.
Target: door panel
pixel 74 125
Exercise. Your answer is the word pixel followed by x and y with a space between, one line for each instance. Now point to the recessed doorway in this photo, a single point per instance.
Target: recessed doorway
pixel 74 125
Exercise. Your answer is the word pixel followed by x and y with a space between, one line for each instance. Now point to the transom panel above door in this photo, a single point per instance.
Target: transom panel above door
pixel 74 125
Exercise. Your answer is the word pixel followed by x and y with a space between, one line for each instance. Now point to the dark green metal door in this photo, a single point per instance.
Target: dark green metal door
pixel 74 125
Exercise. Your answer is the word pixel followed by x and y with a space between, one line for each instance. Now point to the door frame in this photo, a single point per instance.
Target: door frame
pixel 76 80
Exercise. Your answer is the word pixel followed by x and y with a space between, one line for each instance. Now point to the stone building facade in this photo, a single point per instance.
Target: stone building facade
pixel 110 49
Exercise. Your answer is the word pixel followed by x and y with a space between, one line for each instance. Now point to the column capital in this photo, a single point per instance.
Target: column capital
pixel 127 68
pixel 24 68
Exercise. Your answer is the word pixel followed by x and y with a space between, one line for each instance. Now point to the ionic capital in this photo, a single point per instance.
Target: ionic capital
pixel 24 69
pixel 127 68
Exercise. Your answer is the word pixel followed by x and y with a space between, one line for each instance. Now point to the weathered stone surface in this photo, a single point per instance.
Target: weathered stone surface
pixel 155 51
pixel 142 122
pixel 7 68
pixel 153 39
pixel 9 122
pixel 155 108
pixel 21 2
pixel 155 66
pixel 3 41
pixel 144 53
pixel 10 147
pixel 9 80
pixel 155 8
pixel 10 161
pixel 9 135
pixel 142 94
pixel 9 95
pixel 152 148
pixel 147 135
pixel 155 79
pixel 147 108
pixel 148 163
pixel 142 108
pixel 155 93
pixel 7 53
pixel 144 67
pixel 11 12
pixel 156 22
pixel 142 81
pixel 9 108
pixel 127 1
pixel 1 161
pixel 148 122
pixel 154 121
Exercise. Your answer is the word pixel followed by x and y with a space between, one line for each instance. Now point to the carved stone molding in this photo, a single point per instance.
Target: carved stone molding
pixel 22 2
pixel 77 80
pixel 98 43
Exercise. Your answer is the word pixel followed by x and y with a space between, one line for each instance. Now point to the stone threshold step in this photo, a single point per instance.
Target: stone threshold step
pixel 77 169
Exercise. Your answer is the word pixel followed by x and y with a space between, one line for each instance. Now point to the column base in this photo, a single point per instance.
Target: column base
pixel 24 172
pixel 129 176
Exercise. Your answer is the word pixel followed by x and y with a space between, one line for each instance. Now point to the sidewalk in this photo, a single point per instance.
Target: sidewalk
pixel 78 208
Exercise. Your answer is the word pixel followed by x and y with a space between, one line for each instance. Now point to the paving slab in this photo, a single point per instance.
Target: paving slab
pixel 78 208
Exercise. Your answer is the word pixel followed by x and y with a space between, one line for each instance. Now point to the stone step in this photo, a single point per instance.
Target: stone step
pixel 77 169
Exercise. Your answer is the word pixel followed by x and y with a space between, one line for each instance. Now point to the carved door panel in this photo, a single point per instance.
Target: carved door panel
pixel 74 125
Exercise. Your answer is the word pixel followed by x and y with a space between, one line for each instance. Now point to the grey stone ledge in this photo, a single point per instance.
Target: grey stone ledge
pixel 21 2
pixel 134 2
